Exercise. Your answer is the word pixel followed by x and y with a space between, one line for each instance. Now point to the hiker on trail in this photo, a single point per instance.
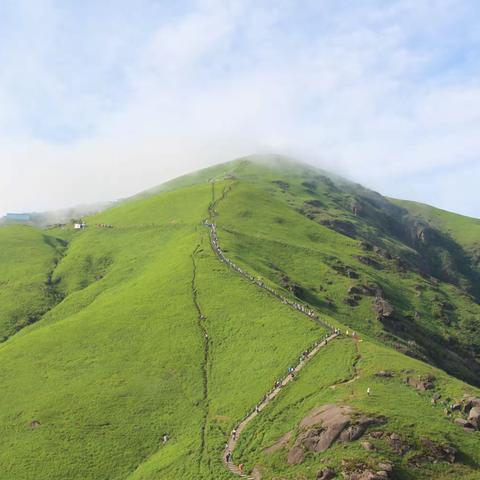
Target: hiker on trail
pixel 228 457
pixel 234 433
pixel 240 467
pixel 368 391
pixel 257 409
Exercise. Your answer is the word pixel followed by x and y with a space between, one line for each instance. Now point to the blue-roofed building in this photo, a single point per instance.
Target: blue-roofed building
pixel 17 217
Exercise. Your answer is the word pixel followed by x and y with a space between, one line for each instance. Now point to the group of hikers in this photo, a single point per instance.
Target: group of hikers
pixel 277 385
pixel 103 225
pixel 297 306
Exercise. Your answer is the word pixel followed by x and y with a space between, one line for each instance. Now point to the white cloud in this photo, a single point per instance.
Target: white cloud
pixel 384 93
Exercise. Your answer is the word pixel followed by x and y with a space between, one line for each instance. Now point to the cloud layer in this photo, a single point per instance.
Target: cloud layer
pixel 102 101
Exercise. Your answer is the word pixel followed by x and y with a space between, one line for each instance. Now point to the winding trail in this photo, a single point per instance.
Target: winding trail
pixel 206 347
pixel 257 281
pixel 306 356
pixel 232 442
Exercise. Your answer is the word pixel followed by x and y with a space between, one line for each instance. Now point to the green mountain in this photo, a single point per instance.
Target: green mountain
pixel 133 347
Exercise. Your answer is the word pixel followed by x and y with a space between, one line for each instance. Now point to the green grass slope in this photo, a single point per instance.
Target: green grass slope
pixel 409 414
pixel 267 227
pixel 465 230
pixel 89 390
pixel 27 260
pixel 139 331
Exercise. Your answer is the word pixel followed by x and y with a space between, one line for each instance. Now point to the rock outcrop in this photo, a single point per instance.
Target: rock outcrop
pixel 422 382
pixel 394 440
pixel 326 474
pixel 469 408
pixel 326 425
pixel 381 252
pixel 474 417
pixel 383 308
pixel 340 226
pixel 359 471
pixel 370 262
pixel 296 289
pixel 314 203
pixel 345 270
pixel 434 453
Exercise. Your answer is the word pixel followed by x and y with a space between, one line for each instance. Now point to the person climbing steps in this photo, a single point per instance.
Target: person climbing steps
pixel 306 355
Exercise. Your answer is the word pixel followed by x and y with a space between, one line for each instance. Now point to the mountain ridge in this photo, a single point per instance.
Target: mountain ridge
pixel 118 359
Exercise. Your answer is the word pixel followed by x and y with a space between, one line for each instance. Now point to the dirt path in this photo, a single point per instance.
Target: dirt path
pixel 206 347
pixel 306 356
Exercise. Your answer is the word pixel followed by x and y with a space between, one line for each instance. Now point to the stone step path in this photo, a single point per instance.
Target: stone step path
pixel 233 440
pixel 306 356
pixel 259 282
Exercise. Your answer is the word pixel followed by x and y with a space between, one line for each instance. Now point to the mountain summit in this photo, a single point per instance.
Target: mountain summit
pixel 260 318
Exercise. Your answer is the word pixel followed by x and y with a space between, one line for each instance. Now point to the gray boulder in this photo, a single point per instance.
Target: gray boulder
pixel 474 417
pixel 325 474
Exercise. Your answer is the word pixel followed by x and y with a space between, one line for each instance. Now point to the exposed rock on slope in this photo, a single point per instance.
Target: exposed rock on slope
pixel 326 425
pixel 422 383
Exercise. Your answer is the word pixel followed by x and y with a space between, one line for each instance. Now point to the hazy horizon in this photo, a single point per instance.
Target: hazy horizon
pixel 102 101
pixel 58 213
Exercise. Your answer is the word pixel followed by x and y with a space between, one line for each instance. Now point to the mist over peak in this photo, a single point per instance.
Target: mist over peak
pixel 110 108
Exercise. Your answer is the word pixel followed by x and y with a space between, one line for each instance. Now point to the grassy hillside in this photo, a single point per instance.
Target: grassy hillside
pixel 464 230
pixel 408 413
pixel 27 290
pixel 140 331
pixel 270 226
pixel 120 361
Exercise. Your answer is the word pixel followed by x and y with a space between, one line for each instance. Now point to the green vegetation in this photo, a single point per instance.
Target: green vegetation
pixel 27 290
pixel 464 230
pixel 407 411
pixel 269 228
pixel 105 351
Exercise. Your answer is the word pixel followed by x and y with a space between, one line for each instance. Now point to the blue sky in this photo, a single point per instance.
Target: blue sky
pixel 99 100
